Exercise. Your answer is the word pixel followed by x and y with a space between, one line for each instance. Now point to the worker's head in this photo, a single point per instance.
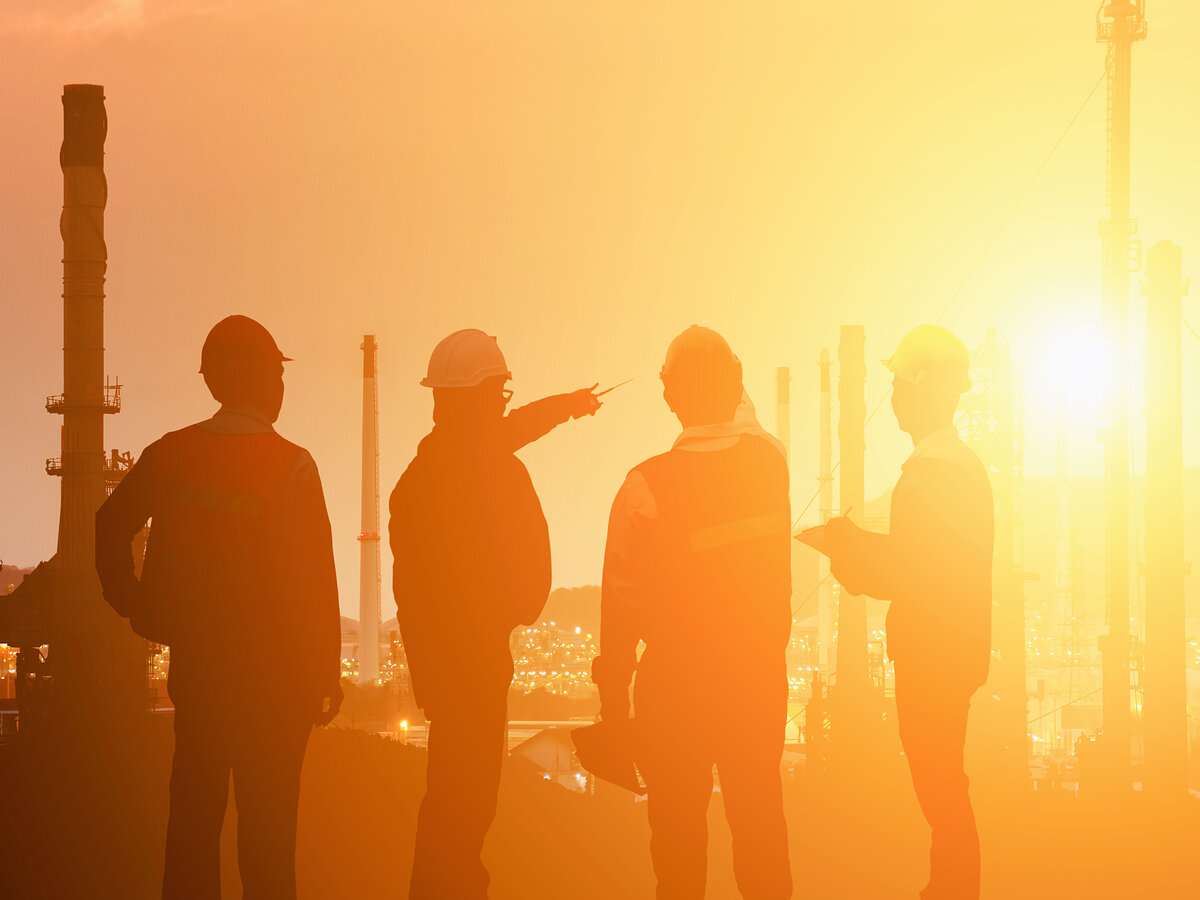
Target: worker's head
pixel 242 366
pixel 468 372
pixel 931 370
pixel 702 379
pixel 477 407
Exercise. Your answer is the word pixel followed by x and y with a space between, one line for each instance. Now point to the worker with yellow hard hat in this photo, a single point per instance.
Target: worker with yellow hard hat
pixel 934 566
pixel 472 562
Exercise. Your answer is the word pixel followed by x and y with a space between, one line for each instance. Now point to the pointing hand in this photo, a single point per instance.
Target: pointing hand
pixel 584 402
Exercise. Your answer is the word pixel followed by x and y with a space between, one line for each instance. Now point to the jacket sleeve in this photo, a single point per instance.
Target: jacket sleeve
pixel 627 561
pixel 315 578
pixel 907 562
pixel 535 420
pixel 118 519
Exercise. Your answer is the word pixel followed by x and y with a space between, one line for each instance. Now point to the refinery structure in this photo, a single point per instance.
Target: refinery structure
pixel 77 659
pixel 1082 677
pixel 1085 687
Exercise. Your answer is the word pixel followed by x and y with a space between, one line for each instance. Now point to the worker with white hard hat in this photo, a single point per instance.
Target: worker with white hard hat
pixel 698 566
pixel 472 562
pixel 934 566
pixel 471 358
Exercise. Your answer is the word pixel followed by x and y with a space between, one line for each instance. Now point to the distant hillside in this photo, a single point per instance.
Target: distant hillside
pixel 12 576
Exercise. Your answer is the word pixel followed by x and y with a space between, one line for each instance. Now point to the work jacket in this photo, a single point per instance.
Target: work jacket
pixel 238 577
pixel 698 565
pixel 471 554
pixel 934 565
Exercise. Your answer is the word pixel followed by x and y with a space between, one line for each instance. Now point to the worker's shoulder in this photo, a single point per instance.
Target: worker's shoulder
pixel 761 452
pixel 948 454
pixel 300 453
pixel 953 467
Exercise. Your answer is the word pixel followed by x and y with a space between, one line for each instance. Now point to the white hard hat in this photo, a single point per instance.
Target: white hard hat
pixel 465 359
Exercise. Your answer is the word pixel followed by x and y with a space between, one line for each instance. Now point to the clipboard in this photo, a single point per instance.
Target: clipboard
pixel 814 537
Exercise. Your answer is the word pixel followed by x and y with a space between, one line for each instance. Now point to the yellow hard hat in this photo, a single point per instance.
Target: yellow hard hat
pixel 931 357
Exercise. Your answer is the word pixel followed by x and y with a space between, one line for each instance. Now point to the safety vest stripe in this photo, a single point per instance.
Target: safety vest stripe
pixel 742 530
pixel 216 499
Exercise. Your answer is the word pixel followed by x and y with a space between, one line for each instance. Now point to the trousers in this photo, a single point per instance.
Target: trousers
pixel 676 756
pixel 932 717
pixel 462 780
pixel 264 751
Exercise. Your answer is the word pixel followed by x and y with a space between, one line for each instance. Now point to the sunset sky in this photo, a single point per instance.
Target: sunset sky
pixel 583 180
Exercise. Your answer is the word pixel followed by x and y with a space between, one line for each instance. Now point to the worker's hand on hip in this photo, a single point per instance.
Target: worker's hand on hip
pixel 330 706
pixel 584 402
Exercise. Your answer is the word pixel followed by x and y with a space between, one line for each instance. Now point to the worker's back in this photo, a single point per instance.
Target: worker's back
pixel 223 576
pixel 472 558
pixel 718 617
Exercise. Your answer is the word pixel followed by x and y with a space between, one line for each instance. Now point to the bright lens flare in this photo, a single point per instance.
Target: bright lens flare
pixel 1070 372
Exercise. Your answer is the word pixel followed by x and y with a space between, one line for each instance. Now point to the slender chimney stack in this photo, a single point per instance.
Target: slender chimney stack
pixel 851 693
pixel 825 600
pixel 100 664
pixel 369 570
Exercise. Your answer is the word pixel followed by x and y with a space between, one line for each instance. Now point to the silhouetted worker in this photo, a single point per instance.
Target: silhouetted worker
pixel 935 566
pixel 472 561
pixel 698 565
pixel 238 580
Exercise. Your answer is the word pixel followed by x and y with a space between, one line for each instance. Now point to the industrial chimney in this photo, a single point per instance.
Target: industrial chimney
pixel 94 651
pixel 369 570
pixel 96 666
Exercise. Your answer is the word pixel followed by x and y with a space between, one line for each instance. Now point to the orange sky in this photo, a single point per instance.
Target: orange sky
pixel 582 180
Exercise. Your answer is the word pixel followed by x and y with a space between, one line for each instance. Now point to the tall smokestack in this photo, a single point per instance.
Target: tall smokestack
pixel 1166 651
pixel 851 695
pixel 783 408
pixel 825 599
pixel 100 664
pixel 369 570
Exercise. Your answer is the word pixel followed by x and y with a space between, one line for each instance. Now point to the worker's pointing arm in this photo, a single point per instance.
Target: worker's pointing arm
pixel 535 420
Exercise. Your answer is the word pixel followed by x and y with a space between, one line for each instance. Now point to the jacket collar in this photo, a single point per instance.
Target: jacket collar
pixel 723 435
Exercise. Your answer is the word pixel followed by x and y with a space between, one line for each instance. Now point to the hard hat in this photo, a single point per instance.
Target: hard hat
pixel 465 359
pixel 699 351
pixel 238 341
pixel 931 357
pixel 606 750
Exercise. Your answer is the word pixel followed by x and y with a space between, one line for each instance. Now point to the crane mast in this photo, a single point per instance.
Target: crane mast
pixel 1119 24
